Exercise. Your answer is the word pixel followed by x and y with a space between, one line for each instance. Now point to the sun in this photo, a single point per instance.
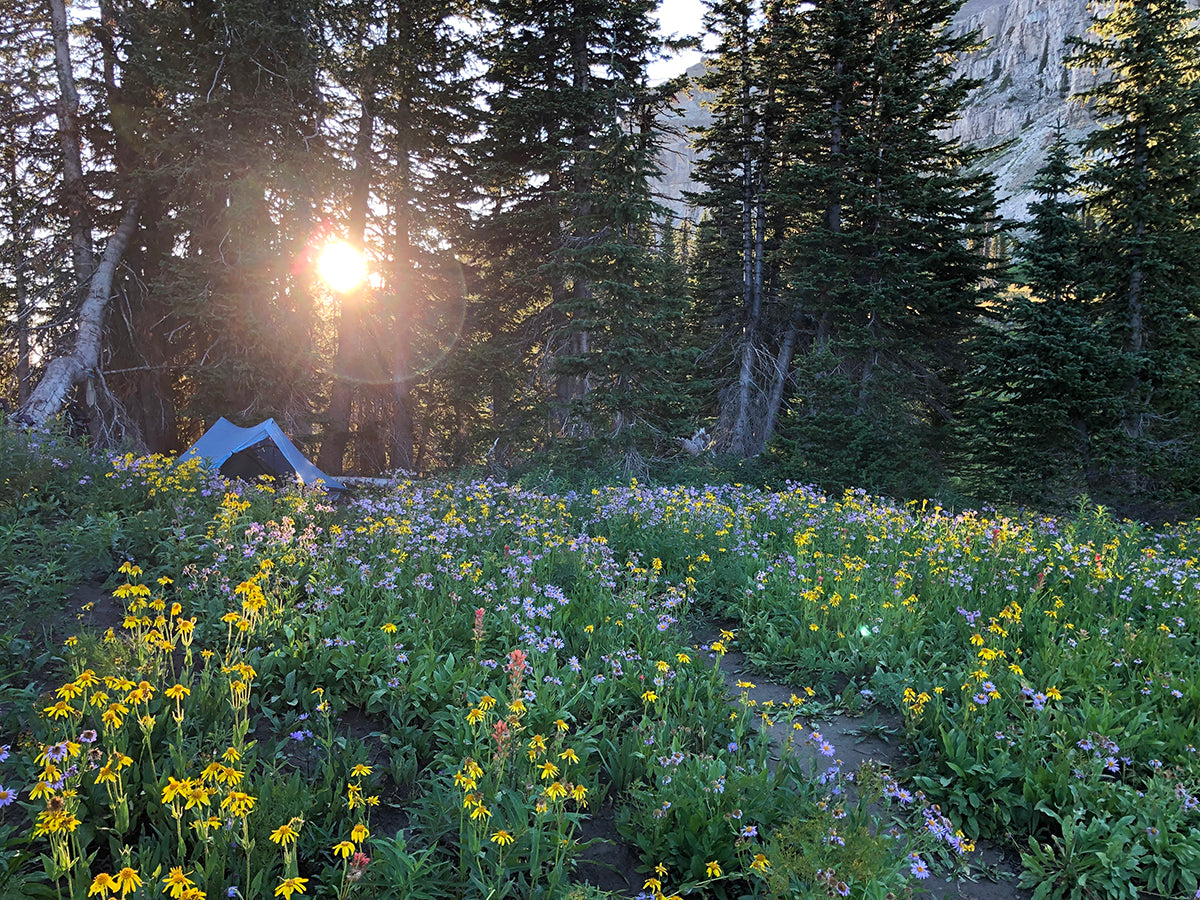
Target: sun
pixel 342 266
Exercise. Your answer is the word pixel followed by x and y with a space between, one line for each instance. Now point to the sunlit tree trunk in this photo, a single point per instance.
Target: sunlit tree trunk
pixel 67 110
pixel 341 400
pixel 63 373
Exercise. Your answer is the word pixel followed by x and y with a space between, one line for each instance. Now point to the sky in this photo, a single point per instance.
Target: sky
pixel 682 18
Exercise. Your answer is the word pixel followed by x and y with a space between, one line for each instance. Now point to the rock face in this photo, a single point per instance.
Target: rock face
pixel 1026 88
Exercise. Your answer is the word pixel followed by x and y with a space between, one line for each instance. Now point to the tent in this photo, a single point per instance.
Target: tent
pixel 249 453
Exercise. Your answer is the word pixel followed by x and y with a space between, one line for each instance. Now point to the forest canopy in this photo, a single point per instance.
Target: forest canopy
pixel 846 308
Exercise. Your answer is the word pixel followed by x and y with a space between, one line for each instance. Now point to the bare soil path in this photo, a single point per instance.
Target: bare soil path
pixel 874 736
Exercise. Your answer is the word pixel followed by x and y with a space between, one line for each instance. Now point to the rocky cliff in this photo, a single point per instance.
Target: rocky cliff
pixel 1026 88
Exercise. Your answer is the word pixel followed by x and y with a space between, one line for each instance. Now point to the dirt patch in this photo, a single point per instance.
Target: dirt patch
pixel 871 735
pixel 89 606
pixel 607 862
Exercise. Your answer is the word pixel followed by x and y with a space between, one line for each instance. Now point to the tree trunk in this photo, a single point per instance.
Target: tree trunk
pixel 74 189
pixel 403 422
pixel 63 373
pixel 783 362
pixel 739 437
pixel 341 400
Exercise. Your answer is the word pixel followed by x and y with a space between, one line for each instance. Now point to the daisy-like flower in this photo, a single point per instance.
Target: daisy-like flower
pixel 128 881
pixel 549 770
pixel 177 882
pixel 103 884
pixel 343 849
pixel 7 796
pixel 359 833
pixel 712 869
pixel 290 886
pixel 286 834
pixel 503 838
pixel 360 770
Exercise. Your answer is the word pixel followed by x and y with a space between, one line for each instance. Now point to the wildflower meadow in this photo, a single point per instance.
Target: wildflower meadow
pixel 440 689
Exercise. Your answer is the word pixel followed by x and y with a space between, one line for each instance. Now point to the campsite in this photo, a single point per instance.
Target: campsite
pixel 448 689
pixel 599 450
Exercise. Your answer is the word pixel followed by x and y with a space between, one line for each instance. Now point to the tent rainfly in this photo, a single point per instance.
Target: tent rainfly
pixel 249 453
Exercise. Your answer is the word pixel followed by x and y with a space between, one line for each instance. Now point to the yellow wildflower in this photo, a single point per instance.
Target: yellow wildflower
pixel 177 882
pixel 290 886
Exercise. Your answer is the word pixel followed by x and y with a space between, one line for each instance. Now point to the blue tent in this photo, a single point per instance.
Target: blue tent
pixel 262 449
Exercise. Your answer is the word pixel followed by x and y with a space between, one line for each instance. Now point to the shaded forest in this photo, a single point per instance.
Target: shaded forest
pixel 850 309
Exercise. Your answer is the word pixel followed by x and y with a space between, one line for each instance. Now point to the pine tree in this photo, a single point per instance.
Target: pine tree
pixel 29 258
pixel 885 262
pixel 570 304
pixel 1143 195
pixel 221 122
pixel 405 66
pixel 1041 409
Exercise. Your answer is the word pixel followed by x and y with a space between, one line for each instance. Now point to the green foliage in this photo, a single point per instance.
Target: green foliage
pixel 1145 205
pixel 1041 400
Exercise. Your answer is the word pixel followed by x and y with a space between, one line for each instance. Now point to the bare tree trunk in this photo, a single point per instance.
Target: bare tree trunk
pixel 74 189
pixel 19 232
pixel 403 422
pixel 341 400
pixel 783 362
pixel 63 373
pixel 751 299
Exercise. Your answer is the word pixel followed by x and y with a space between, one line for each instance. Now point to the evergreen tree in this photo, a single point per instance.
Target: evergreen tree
pixel 1041 410
pixel 1144 198
pixel 406 132
pixel 221 121
pixel 885 262
pixel 569 319
pixel 738 171
pixel 29 224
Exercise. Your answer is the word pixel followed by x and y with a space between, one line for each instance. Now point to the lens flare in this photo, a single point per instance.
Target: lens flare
pixel 342 267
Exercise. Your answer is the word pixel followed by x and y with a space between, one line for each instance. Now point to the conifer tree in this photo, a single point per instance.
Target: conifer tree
pixel 404 135
pixel 570 294
pixel 1041 408
pixel 1144 198
pixel 884 264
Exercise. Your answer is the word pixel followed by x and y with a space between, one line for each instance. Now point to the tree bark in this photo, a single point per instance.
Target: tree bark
pixel 341 400
pixel 74 189
pixel 739 438
pixel 783 362
pixel 63 373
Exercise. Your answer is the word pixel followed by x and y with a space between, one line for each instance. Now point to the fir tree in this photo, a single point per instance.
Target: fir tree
pixel 566 235
pixel 1144 198
pixel 1041 409
pixel 885 263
